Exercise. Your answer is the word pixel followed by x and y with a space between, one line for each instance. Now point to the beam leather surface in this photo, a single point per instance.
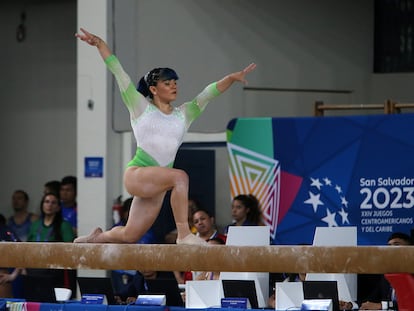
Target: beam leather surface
pixel 167 257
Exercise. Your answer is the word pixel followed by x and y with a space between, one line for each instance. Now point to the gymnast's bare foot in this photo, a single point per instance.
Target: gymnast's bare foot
pixel 192 239
pixel 89 238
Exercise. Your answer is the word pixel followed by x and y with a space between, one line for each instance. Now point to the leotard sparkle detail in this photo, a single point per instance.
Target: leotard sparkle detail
pixel 158 135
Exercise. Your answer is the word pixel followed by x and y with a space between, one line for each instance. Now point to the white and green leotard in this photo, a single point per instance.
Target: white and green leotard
pixel 158 135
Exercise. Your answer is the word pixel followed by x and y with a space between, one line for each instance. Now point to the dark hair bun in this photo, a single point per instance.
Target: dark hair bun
pixel 142 87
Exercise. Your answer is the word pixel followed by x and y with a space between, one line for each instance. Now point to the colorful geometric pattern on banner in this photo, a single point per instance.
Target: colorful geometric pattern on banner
pixel 326 171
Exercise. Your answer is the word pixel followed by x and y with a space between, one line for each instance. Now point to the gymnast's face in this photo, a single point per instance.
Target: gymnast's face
pixel 165 91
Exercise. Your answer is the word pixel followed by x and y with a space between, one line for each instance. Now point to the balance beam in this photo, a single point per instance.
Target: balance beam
pixel 171 257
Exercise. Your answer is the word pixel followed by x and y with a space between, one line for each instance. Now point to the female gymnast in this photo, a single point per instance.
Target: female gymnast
pixel 158 128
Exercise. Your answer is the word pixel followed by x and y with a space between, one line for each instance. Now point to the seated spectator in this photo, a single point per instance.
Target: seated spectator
pixel 51 227
pixel 204 223
pixel 21 219
pixel 382 291
pixel 138 285
pixel 68 192
pixel 245 211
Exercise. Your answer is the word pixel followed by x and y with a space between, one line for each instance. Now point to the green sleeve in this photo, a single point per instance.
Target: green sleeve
pixel 132 99
pixel 194 108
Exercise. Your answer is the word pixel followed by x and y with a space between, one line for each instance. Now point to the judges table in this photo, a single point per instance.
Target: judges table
pixel 74 306
pixel 17 305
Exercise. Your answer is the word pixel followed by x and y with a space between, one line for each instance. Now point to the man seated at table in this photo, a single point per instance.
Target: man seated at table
pixel 139 286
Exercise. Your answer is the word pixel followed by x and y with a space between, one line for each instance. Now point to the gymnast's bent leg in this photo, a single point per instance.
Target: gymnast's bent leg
pixel 148 185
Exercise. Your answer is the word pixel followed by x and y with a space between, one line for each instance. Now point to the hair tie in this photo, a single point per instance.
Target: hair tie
pixel 146 77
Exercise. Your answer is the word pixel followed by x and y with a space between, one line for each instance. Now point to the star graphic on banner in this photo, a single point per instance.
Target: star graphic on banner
pixel 316 183
pixel 344 216
pixel 327 181
pixel 314 199
pixel 339 189
pixel 344 202
pixel 330 219
pixel 331 195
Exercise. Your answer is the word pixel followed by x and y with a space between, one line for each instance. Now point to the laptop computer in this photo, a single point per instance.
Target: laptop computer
pixel 97 285
pixel 167 287
pixel 38 288
pixel 322 290
pixel 241 289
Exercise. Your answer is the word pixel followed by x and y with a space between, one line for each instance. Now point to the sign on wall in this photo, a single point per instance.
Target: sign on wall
pixel 328 171
pixel 93 167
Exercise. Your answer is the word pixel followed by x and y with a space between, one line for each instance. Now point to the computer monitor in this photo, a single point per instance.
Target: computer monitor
pixel 97 285
pixel 167 287
pixel 288 295
pixel 322 290
pixel 203 294
pixel 241 289
pixel 261 281
pixel 342 280
pixel 39 288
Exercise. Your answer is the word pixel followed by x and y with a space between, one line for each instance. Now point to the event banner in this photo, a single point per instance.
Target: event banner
pixel 326 171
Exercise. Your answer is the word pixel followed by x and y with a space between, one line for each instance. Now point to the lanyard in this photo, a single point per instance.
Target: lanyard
pixel 39 233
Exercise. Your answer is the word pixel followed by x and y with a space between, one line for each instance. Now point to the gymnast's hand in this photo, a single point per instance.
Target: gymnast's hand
pixel 240 76
pixel 89 38
pixel 94 40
